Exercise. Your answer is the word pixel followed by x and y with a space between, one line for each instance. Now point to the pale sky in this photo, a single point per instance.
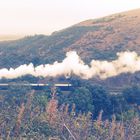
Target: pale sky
pixel 28 17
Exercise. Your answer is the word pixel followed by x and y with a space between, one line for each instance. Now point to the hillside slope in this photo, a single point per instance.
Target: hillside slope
pixel 93 39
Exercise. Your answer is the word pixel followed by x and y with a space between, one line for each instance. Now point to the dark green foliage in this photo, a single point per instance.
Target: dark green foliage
pixel 127 115
pixel 16 94
pixel 89 98
pixel 132 95
pixel 43 128
pixel 81 97
pixel 41 99
pixel 118 104
pixel 101 100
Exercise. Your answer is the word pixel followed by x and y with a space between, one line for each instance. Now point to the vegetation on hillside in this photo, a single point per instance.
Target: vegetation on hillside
pixel 84 113
pixel 93 39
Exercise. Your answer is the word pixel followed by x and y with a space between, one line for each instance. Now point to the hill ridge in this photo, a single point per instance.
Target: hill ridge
pixel 102 40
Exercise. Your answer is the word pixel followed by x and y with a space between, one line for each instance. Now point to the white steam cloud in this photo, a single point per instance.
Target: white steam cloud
pixel 72 64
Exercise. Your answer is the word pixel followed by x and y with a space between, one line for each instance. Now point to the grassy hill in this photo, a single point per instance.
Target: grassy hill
pixel 92 39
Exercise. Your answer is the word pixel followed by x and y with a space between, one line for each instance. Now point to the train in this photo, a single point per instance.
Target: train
pixel 35 86
pixel 61 86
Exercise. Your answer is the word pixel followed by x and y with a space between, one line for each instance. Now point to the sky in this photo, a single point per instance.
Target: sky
pixel 29 17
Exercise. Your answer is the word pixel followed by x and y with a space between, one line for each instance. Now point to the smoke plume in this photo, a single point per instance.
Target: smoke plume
pixel 72 64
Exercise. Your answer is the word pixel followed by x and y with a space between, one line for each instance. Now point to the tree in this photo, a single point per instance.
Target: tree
pixel 132 95
pixel 81 97
pixel 101 100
